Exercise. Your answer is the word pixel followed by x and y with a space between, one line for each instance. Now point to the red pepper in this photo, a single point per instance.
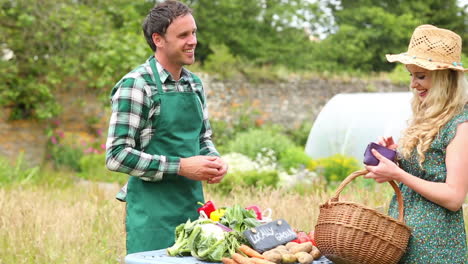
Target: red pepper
pixel 208 207
pixel 302 237
pixel 257 211
pixel 311 235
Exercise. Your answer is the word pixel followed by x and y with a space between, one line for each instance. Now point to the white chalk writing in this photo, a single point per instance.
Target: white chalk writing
pixel 286 235
pixel 261 234
pixel 269 233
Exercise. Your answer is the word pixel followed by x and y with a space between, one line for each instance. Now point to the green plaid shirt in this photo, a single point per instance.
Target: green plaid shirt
pixel 133 119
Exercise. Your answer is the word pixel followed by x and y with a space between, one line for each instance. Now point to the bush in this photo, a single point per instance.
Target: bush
pixel 337 167
pixel 66 149
pixel 221 62
pixel 66 156
pixel 300 134
pixel 251 142
pixel 247 117
pixel 301 180
pixel 399 75
pixel 294 157
pixel 222 133
pixel 238 162
pixel 93 168
pixel 240 179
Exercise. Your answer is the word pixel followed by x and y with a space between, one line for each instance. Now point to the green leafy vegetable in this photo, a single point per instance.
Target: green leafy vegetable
pixel 239 219
pixel 206 240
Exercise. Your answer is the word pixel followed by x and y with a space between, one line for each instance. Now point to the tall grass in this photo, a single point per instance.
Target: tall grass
pixel 76 224
pixel 67 221
pixel 300 211
pixel 83 223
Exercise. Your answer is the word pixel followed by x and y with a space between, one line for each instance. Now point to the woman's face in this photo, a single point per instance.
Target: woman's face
pixel 420 80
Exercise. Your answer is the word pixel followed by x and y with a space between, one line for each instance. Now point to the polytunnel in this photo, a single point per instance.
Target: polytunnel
pixel 350 121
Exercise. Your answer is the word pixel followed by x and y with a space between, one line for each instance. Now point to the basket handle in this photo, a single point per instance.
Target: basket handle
pixel 356 174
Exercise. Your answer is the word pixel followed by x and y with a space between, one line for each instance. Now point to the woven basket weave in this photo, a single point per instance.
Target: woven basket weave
pixel 350 233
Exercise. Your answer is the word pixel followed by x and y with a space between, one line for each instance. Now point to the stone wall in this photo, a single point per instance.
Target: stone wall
pixel 22 136
pixel 286 103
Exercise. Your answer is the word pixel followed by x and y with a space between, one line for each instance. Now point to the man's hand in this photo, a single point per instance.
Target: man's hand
pixel 201 168
pixel 221 172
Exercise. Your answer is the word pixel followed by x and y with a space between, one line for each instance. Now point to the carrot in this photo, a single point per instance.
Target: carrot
pixel 250 252
pixel 228 261
pixel 260 261
pixel 240 259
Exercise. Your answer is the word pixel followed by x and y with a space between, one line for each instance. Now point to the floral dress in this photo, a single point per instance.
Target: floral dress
pixel 437 234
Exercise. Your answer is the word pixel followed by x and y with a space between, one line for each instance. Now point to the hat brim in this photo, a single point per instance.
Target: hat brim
pixel 423 63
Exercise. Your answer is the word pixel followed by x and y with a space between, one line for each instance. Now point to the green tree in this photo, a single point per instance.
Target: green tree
pixel 366 30
pixel 262 32
pixel 61 45
pixel 361 44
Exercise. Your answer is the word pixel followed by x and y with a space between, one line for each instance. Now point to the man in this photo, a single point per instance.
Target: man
pixel 159 133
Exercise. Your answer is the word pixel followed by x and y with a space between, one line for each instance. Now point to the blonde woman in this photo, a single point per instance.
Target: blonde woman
pixel 433 163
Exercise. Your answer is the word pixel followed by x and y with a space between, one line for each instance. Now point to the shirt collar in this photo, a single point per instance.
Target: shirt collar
pixel 165 75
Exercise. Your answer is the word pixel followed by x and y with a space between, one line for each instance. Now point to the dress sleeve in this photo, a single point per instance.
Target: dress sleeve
pixel 451 127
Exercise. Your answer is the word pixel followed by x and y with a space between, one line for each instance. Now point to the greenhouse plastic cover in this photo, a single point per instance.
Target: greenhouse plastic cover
pixel 349 122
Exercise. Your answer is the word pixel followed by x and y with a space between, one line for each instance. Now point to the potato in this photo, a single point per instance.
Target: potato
pixel 273 256
pixel 288 258
pixel 291 244
pixel 281 251
pixel 304 257
pixel 315 253
pixel 299 254
pixel 281 248
pixel 303 247
pixel 260 261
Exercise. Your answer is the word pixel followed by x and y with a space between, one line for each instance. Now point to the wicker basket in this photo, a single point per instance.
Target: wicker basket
pixel 347 232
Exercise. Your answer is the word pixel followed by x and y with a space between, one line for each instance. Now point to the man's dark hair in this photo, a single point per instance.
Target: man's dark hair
pixel 160 17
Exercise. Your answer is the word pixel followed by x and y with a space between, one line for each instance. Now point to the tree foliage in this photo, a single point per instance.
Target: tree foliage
pixel 368 29
pixel 361 44
pixel 262 31
pixel 59 45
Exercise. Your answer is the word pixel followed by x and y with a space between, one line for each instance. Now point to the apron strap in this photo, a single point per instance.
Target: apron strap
pixel 195 78
pixel 197 81
pixel 156 74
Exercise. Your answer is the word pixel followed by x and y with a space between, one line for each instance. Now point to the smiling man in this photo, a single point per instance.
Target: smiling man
pixel 159 133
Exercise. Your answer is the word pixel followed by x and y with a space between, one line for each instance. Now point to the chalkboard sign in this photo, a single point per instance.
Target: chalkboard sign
pixel 270 235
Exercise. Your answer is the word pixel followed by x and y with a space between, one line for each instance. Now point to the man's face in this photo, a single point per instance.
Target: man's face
pixel 179 42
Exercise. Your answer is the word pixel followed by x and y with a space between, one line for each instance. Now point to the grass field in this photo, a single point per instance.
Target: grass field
pixel 58 219
pixel 83 223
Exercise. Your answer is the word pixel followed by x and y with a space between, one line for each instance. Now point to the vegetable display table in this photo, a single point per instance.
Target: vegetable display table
pixel 160 257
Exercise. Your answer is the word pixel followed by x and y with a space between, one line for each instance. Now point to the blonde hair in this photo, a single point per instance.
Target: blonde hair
pixel 445 99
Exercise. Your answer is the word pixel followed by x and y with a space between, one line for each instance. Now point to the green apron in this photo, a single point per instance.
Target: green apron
pixel 154 209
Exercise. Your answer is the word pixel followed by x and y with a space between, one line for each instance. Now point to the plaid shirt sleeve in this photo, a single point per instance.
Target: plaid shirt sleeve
pixel 131 106
pixel 207 147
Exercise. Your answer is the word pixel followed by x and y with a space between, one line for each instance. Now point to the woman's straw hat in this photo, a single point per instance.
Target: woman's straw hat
pixel 432 48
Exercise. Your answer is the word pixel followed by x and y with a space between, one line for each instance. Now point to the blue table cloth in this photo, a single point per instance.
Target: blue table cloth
pixel 160 257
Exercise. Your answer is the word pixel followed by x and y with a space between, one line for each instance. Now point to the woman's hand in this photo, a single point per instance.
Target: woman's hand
pixel 385 171
pixel 387 142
